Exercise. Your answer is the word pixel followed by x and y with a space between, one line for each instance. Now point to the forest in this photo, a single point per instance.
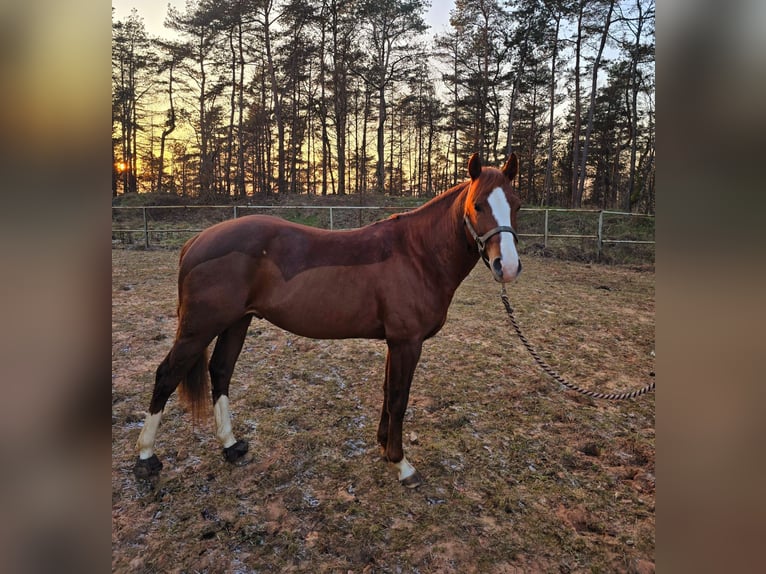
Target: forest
pixel 263 98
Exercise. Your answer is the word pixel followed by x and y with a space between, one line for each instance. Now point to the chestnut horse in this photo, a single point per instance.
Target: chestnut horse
pixel 392 280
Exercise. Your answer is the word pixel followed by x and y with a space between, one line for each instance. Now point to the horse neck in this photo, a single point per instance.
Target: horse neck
pixel 440 234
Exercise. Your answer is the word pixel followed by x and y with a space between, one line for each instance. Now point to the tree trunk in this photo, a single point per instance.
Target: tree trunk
pixel 515 89
pixel 593 92
pixel 634 107
pixel 531 190
pixel 277 102
pixel 365 120
pixel 171 125
pixel 576 199
pixel 429 155
pixel 205 167
pixel 240 179
pixel 380 171
pixel 340 100
pixel 323 109
pixel 133 142
pixel 552 95
pixel 232 113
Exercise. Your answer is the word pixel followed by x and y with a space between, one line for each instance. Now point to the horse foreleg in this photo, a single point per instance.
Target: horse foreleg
pixel 227 350
pixel 383 424
pixel 400 366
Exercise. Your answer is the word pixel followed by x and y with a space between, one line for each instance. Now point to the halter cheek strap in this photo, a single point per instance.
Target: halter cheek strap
pixel 481 240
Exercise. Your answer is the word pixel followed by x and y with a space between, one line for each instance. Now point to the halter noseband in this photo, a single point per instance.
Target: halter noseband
pixel 481 240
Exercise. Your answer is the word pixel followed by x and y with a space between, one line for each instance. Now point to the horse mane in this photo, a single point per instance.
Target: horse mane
pixel 446 199
pixel 445 196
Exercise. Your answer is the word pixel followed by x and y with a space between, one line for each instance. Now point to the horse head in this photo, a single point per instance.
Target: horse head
pixel 490 216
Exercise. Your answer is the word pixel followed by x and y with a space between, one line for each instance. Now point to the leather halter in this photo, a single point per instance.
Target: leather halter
pixel 481 240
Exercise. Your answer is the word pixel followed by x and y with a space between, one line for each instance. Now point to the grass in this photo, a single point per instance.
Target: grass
pixel 519 475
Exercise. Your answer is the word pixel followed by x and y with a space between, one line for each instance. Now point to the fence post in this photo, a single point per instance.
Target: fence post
pixel 600 234
pixel 146 229
pixel 331 219
pixel 545 231
pixel 235 212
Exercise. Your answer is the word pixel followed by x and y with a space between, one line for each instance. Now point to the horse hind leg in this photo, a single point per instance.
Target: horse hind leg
pixel 227 350
pixel 187 362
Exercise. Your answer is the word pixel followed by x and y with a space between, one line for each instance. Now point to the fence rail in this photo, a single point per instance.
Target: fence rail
pixel 546 230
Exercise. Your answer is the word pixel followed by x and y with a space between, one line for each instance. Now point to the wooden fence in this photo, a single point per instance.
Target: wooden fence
pixel 172 225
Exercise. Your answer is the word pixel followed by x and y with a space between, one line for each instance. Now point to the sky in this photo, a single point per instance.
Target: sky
pixel 153 12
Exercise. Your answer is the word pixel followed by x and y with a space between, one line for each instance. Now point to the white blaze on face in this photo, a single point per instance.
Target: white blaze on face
pixel 501 211
pixel 148 435
pixel 223 422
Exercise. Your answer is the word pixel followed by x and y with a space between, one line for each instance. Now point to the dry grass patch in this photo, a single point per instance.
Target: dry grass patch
pixel 520 476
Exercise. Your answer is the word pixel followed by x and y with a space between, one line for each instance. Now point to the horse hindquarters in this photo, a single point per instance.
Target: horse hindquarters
pixel 212 303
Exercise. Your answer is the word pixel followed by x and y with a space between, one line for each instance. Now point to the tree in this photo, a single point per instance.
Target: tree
pixel 593 92
pixel 389 28
pixel 637 41
pixel 610 136
pixel 131 60
pixel 174 55
pixel 532 21
pixel 288 96
pixel 484 55
pixel 199 30
pixel 576 105
pixel 450 49
pixel 267 18
pixel 555 13
pixel 295 52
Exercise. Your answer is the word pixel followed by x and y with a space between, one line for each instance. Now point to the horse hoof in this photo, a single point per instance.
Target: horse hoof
pixel 236 451
pixel 146 467
pixel 412 481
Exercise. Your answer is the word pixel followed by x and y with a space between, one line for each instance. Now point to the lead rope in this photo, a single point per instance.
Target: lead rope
pixel 553 374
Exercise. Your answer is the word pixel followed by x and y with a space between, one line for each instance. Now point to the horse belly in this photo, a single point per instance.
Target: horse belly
pixel 323 304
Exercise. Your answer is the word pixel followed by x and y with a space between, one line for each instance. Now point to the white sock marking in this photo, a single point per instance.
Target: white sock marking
pixel 406 470
pixel 501 211
pixel 223 422
pixel 148 435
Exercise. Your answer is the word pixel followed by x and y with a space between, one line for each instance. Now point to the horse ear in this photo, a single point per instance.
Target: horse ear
pixel 511 167
pixel 474 166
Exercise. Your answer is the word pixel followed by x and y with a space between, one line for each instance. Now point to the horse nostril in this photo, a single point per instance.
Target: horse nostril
pixel 497 266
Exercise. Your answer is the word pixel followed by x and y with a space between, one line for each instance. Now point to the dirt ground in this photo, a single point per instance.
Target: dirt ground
pixel 520 476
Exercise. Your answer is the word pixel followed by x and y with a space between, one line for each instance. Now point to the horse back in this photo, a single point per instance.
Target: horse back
pixel 292 247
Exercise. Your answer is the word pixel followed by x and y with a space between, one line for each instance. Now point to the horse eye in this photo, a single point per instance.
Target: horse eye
pixel 477 207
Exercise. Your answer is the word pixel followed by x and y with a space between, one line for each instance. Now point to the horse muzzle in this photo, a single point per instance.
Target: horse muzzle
pixel 505 273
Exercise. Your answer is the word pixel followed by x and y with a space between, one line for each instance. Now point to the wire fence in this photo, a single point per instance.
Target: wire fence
pixel 571 233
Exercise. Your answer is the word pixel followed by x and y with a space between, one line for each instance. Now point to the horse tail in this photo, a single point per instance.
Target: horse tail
pixel 194 390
